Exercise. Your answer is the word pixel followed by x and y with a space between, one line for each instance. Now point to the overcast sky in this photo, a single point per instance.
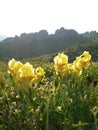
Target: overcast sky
pixel 19 16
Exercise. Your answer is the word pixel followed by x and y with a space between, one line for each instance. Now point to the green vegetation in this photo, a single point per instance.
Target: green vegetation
pixel 55 102
pixel 41 43
pixel 50 97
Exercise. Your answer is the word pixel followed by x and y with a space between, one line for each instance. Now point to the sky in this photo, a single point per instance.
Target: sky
pixel 26 16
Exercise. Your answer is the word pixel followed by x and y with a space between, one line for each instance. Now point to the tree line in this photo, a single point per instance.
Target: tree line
pixel 42 43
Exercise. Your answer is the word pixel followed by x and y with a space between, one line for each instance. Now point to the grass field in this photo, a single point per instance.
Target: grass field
pixel 54 96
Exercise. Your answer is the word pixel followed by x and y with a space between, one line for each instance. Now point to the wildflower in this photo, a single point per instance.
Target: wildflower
pixel 77 66
pixel 60 63
pixel 16 111
pixel 12 88
pixel 32 110
pixel 14 104
pixel 17 97
pixel 86 58
pixel 14 67
pixel 34 99
pixel 61 59
pixel 11 64
pixel 81 62
pixel 40 72
pixel 34 79
pixel 70 100
pixel 94 110
pixel 12 93
pixel 27 71
pixel 59 108
pixel 70 66
pixel 78 63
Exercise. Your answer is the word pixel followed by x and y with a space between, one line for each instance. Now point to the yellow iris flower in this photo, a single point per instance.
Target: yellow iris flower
pixel 86 59
pixel 24 72
pixel 61 59
pixel 78 63
pixel 60 63
pixel 81 62
pixel 14 67
pixel 27 71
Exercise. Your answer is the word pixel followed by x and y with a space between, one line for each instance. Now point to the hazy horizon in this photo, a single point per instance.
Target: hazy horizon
pixel 5 36
pixel 25 16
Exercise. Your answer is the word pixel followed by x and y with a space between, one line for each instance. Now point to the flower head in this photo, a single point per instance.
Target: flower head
pixel 86 56
pixel 24 73
pixel 27 71
pixel 14 67
pixel 81 62
pixel 61 59
pixel 60 63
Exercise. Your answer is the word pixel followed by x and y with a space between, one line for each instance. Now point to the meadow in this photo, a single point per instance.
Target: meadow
pixel 55 95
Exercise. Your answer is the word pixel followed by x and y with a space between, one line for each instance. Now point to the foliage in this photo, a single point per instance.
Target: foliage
pixel 60 100
pixel 41 43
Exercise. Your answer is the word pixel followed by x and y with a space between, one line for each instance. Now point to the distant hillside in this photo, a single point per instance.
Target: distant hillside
pixel 41 43
pixel 72 52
